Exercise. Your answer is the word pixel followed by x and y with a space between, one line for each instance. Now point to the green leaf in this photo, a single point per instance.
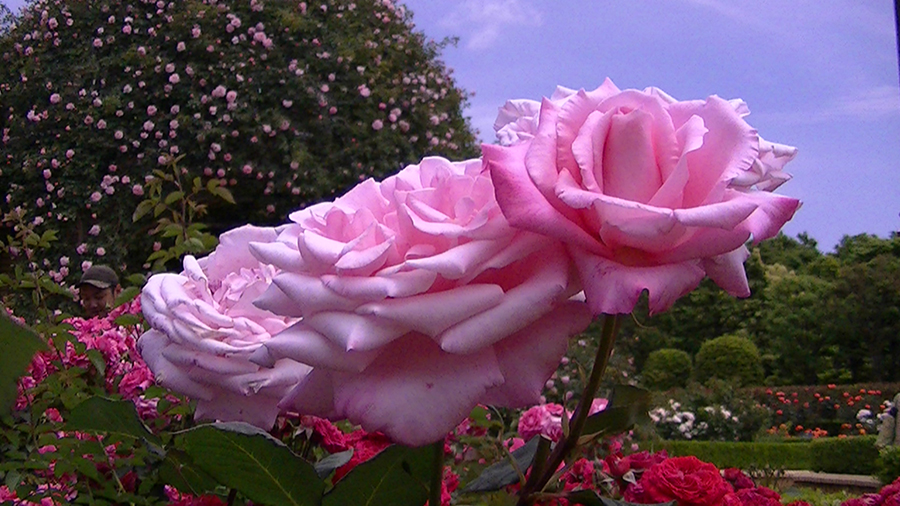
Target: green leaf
pixel 158 209
pixel 590 498
pixel 128 320
pixel 194 245
pixel 172 230
pixel 17 346
pixel 97 360
pixel 245 458
pixel 503 473
pixel 100 415
pixel 141 210
pixel 136 279
pixel 395 477
pixel 48 237
pixel 174 197
pixel 627 406
pixel 127 295
pixel 224 194
pixel 180 471
pixel 327 465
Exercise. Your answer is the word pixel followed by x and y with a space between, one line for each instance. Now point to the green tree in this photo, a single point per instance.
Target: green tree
pixel 284 103
pixel 796 254
pixel 866 308
pixel 796 335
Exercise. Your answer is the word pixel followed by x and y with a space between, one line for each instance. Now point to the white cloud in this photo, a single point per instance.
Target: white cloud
pixel 486 20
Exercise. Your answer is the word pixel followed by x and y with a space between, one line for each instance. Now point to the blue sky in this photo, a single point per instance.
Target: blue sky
pixel 822 76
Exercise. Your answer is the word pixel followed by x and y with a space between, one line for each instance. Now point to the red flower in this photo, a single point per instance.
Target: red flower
pixel 760 496
pixel 687 480
pixel 738 479
pixel 864 500
pixel 332 439
pixel 365 446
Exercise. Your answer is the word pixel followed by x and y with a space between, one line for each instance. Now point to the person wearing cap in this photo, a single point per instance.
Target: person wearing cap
pixel 97 290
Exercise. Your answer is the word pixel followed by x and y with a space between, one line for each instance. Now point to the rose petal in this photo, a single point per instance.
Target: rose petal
pixel 544 282
pixel 622 285
pixel 727 271
pixel 256 410
pixel 432 313
pixel 302 344
pixel 355 332
pixel 232 255
pixel 414 402
pixel 523 205
pixel 528 358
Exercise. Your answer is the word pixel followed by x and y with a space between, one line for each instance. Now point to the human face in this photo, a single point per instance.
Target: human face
pixel 95 301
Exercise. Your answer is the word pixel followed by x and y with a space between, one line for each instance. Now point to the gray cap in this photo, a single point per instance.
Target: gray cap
pixel 99 276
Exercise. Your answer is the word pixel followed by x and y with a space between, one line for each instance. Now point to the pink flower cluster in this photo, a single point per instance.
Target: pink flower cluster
pixel 125 371
pixel 889 495
pixel 546 419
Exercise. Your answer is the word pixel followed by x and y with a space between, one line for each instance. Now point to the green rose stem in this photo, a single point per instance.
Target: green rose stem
pixel 437 474
pixel 538 480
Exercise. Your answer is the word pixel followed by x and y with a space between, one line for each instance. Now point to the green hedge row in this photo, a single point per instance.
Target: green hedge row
pixel 852 455
pixel 743 455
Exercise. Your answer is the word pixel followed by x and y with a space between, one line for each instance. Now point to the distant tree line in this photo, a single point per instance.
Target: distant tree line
pixel 816 318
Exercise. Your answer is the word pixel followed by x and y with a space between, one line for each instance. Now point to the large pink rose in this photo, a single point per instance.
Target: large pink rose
pixel 646 191
pixel 205 326
pixel 418 301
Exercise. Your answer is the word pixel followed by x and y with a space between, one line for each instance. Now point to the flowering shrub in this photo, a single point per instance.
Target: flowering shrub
pixel 831 409
pixel 709 423
pixel 350 91
pixel 717 412
pixel 889 495
pixel 93 357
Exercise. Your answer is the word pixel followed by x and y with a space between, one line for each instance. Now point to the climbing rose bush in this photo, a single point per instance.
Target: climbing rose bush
pixel 418 301
pixel 647 192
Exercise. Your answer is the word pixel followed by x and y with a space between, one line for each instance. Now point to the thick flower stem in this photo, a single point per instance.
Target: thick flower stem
pixel 437 474
pixel 537 481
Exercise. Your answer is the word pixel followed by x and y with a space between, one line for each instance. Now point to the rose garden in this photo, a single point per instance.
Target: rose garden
pixel 333 295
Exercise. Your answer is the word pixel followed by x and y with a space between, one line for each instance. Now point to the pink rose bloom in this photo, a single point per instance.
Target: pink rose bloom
pixel 418 301
pixel 543 419
pixel 647 192
pixel 546 419
pixel 205 327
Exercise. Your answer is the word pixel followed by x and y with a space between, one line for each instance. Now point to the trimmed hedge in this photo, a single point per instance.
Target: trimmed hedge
pixel 889 464
pixel 666 368
pixel 740 454
pixel 848 455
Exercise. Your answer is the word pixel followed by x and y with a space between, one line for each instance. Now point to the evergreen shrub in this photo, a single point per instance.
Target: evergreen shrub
pixel 666 368
pixel 729 357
